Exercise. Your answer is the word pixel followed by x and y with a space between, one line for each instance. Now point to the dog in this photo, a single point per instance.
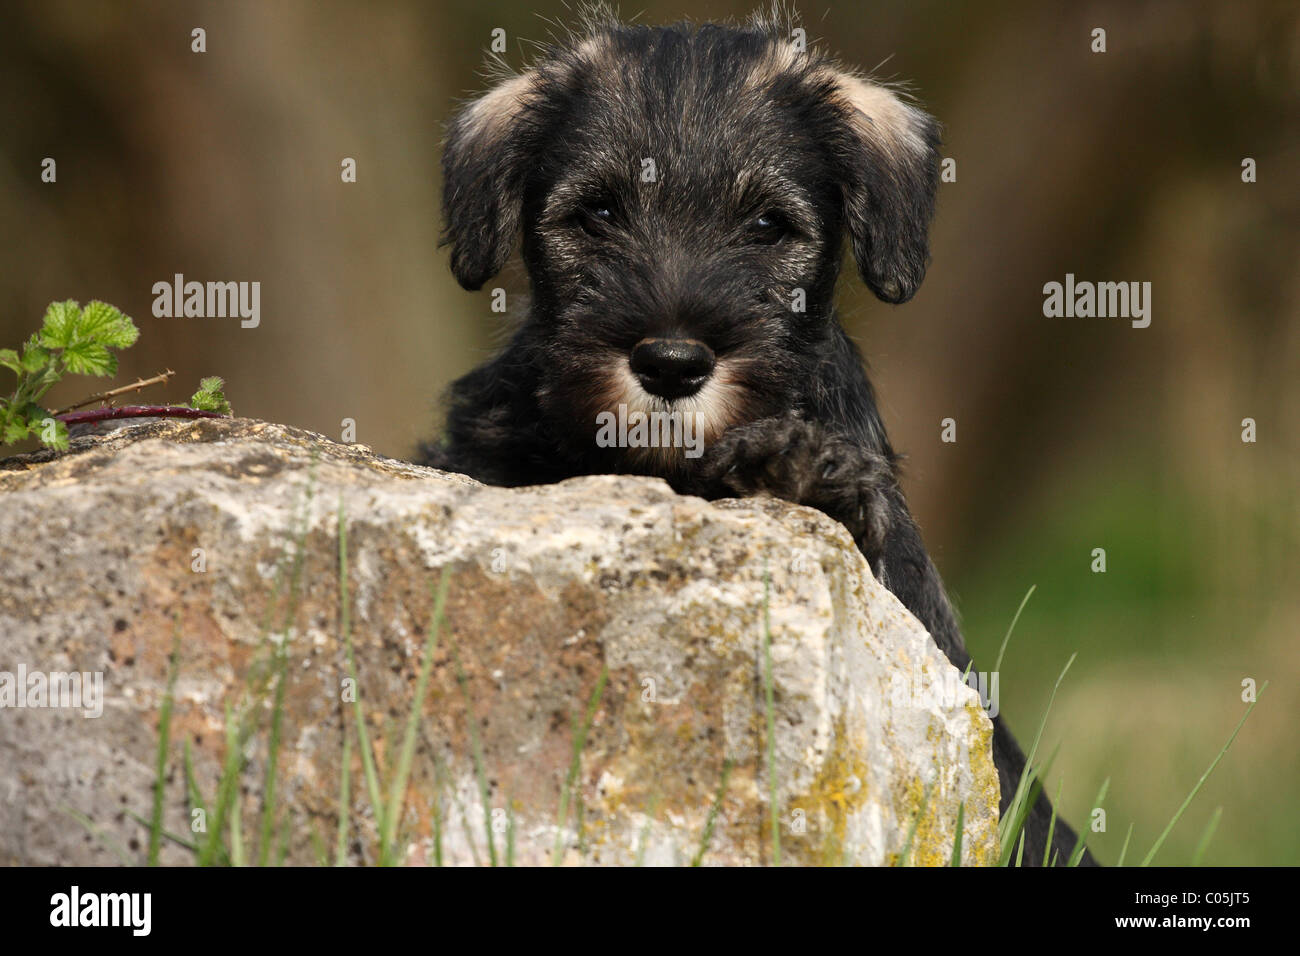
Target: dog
pixel 683 194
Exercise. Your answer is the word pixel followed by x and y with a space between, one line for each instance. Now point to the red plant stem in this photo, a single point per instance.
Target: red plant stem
pixel 135 411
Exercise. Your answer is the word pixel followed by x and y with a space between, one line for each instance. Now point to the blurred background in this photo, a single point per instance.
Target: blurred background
pixel 1072 434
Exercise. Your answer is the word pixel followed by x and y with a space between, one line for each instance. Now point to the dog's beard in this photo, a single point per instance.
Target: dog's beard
pixel 696 420
pixel 607 399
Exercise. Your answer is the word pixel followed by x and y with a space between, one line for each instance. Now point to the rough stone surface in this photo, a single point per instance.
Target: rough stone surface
pixel 549 586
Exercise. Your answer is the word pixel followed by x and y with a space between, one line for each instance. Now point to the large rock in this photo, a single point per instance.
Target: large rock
pixel 178 528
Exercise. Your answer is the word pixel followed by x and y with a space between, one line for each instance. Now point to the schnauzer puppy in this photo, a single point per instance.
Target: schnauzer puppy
pixel 683 193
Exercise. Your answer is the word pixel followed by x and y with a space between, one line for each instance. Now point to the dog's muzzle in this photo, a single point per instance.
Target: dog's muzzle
pixel 672 368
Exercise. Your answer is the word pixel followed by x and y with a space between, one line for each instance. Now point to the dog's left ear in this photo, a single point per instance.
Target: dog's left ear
pixel 890 172
pixel 483 166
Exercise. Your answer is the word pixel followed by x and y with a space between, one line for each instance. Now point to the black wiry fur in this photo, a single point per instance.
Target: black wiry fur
pixel 737 128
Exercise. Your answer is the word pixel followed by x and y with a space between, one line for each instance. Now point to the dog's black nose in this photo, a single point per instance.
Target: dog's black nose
pixel 672 368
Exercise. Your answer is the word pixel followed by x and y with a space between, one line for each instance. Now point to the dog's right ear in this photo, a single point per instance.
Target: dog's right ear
pixel 890 177
pixel 483 166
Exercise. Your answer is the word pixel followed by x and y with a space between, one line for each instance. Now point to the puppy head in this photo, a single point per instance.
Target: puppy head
pixel 683 194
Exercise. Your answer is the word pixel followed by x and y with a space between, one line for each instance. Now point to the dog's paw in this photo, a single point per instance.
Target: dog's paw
pixel 800 461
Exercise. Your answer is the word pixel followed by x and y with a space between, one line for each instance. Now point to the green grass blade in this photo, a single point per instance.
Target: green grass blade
pixel 345 626
pixel 510 832
pixel 439 782
pixel 226 788
pixel 916 822
pixel 280 668
pixel 109 843
pixel 1204 843
pixel 1019 814
pixel 770 706
pixel 197 803
pixel 164 744
pixel 997 665
pixel 260 678
pixel 1123 851
pixel 318 846
pixel 443 774
pixel 282 848
pixel 1146 861
pixel 1014 808
pixel 956 843
pixel 645 830
pixel 237 830
pixel 345 801
pixel 166 834
pixel 476 749
pixel 1051 824
pixel 1077 853
pixel 191 787
pixel 397 792
pixel 273 754
pixel 575 765
pixel 707 836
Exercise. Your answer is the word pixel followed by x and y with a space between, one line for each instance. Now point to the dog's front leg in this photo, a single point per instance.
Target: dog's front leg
pixel 797 460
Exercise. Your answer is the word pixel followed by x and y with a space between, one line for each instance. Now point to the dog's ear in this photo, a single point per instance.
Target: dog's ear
pixel 890 172
pixel 483 166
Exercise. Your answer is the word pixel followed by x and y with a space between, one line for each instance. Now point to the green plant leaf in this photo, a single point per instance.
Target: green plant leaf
pixel 39 383
pixel 211 396
pixel 43 425
pixel 70 340
pixel 60 326
pixel 52 433
pixel 108 325
pixel 16 430
pixel 34 357
pixel 89 358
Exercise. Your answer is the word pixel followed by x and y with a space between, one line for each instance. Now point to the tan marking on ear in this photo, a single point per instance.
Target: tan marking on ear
pixel 780 57
pixel 882 114
pixel 879 112
pixel 490 114
pixel 596 49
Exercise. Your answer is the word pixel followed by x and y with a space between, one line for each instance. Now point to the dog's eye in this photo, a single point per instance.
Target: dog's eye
pixel 768 229
pixel 593 216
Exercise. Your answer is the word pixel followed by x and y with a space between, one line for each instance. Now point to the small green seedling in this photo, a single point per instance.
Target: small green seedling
pixel 77 341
